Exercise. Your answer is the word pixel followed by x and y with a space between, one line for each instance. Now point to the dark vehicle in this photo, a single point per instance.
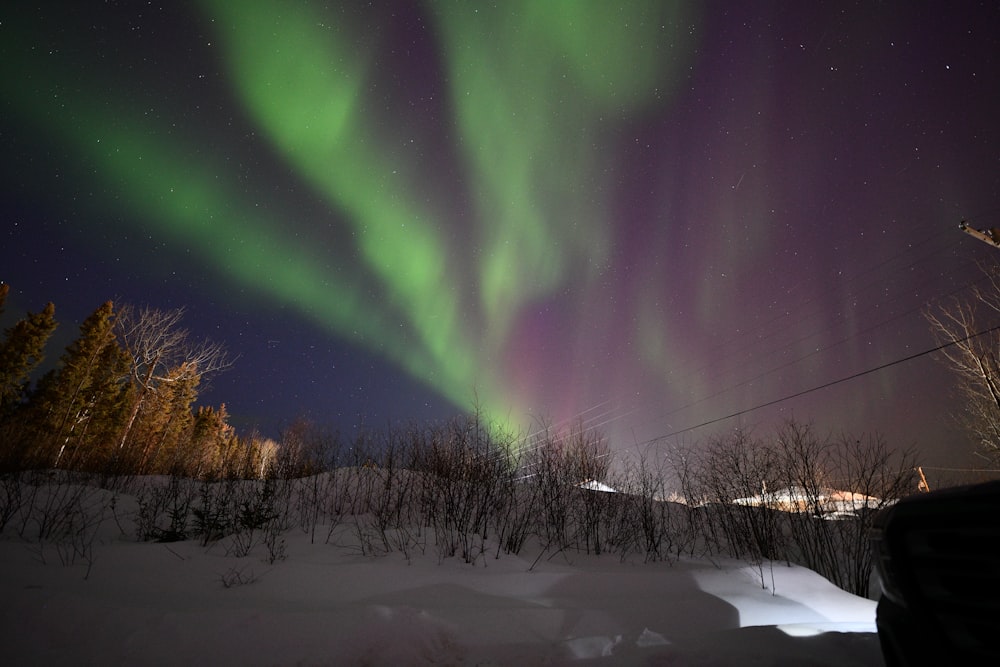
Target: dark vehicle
pixel 938 557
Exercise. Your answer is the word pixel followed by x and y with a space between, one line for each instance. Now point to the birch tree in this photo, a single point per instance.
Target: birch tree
pixel 162 353
pixel 968 325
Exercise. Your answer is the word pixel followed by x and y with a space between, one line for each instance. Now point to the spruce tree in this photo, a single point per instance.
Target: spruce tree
pixel 112 399
pixel 21 351
pixel 84 388
pixel 212 440
pixel 166 421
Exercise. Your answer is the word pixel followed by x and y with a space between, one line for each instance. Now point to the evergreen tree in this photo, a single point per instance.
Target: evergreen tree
pixel 113 398
pixel 165 425
pixel 82 401
pixel 4 290
pixel 21 351
pixel 213 440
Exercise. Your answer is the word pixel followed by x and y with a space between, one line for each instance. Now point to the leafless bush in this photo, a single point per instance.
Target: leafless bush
pixel 164 509
pixel 11 498
pixel 586 456
pixel 393 504
pixel 75 541
pixel 313 492
pixel 260 514
pixel 319 500
pixel 59 511
pixel 515 510
pixel 735 470
pixel 336 496
pixel 693 536
pixel 545 468
pixel 53 502
pixel 646 518
pixel 237 576
pixel 462 469
pixel 796 498
pixel 841 484
pixel 806 462
pixel 306 449
pixel 622 524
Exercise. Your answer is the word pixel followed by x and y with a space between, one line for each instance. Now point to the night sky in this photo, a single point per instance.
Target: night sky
pixel 641 218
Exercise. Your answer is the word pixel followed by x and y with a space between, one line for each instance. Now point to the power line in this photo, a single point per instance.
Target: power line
pixel 769 329
pixel 817 351
pixel 765 331
pixel 828 384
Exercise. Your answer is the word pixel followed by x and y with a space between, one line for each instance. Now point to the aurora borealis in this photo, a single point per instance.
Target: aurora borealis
pixel 643 217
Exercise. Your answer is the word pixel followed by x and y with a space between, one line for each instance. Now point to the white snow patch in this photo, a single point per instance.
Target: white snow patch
pixel 130 603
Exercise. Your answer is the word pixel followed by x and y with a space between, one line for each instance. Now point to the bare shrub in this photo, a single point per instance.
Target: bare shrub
pixel 560 465
pixel 462 469
pixel 53 502
pixel 692 535
pixel 841 484
pixel 737 469
pixel 164 509
pixel 11 498
pixel 306 449
pixel 647 515
pixel 806 462
pixel 61 512
pixel 213 514
pixel 796 497
pixel 516 505
pixel 237 576
pixel 260 514
pixel 314 491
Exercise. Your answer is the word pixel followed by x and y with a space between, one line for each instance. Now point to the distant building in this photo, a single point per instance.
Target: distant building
pixel 827 503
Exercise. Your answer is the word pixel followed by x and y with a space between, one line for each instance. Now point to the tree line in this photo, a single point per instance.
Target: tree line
pixel 121 399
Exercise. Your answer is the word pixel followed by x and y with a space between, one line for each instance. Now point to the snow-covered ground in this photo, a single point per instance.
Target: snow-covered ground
pixel 181 603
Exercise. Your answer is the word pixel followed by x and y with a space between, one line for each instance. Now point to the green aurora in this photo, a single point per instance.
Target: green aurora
pixel 555 209
pixel 530 96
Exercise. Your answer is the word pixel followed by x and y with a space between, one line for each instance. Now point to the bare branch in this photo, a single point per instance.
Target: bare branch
pixel 957 322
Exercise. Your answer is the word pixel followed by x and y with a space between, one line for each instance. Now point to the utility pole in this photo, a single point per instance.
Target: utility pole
pixel 991 236
pixel 922 485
